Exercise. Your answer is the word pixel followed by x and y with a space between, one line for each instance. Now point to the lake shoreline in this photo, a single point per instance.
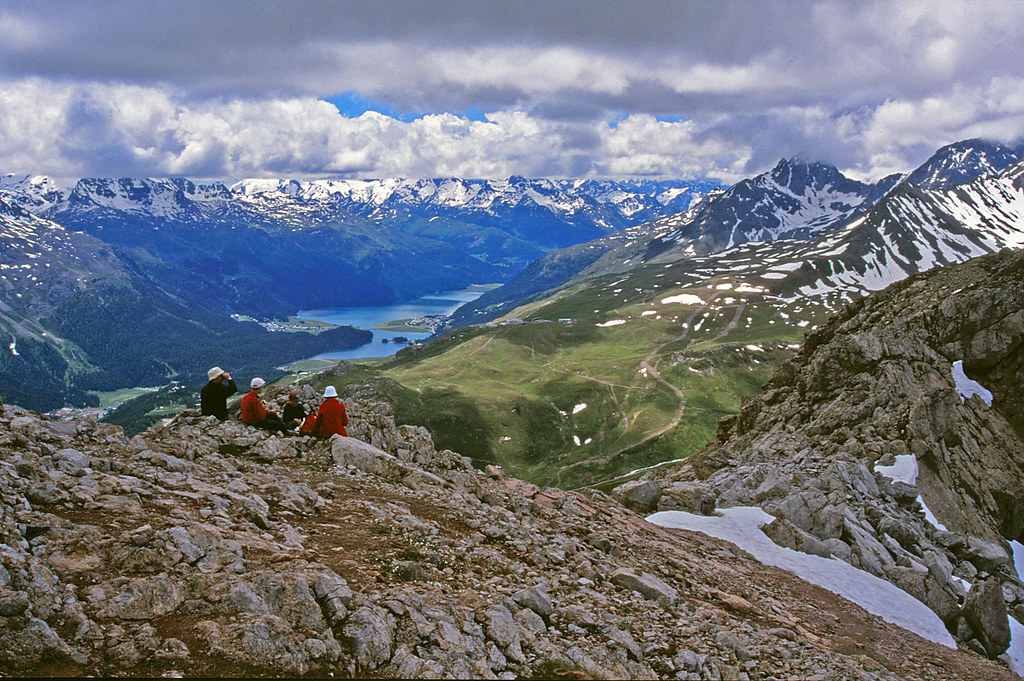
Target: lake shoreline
pixel 395 325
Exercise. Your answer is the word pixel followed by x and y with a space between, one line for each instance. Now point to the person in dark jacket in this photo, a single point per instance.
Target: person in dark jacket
pixel 213 398
pixel 294 413
pixel 255 412
pixel 331 418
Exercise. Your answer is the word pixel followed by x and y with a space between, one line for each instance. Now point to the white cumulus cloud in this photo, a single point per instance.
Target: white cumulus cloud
pixel 561 88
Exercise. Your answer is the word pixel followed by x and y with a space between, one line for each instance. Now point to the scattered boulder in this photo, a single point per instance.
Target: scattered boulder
pixel 536 599
pixel 369 632
pixel 348 451
pixel 985 610
pixel 785 533
pixel 640 495
pixel 644 583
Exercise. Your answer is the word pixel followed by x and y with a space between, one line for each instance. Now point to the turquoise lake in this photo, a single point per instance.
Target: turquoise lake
pixel 443 303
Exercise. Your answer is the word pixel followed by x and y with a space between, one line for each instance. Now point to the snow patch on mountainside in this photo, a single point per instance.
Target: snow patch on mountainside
pixel 741 525
pixel 683 299
pixel 905 470
pixel 967 387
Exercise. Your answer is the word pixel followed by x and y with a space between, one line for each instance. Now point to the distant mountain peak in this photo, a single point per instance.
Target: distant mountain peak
pixel 964 161
pixel 800 175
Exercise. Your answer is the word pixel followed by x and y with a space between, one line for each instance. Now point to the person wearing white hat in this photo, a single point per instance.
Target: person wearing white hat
pixel 255 412
pixel 331 418
pixel 213 398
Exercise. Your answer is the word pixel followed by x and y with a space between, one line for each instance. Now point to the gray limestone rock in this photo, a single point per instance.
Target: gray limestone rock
pixel 348 451
pixel 535 598
pixel 333 595
pixel 370 632
pixel 924 587
pixel 687 496
pixel 45 493
pixel 13 603
pixel 274 448
pixel 644 583
pixel 785 533
pixel 642 495
pixel 530 621
pixel 259 640
pixel 985 610
pixel 31 642
pixel 986 555
pixel 72 458
pixel 171 463
pixel 142 598
pixel 503 630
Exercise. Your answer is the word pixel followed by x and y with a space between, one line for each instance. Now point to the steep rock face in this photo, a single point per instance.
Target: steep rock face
pixel 202 548
pixel 877 385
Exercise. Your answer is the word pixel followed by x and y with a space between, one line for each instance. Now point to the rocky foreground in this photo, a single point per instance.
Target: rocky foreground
pixel 214 549
pixel 874 386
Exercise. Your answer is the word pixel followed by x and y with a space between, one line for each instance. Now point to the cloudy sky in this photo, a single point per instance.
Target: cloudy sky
pixel 671 89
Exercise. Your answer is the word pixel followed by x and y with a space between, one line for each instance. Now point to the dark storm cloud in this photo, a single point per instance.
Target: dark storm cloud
pixel 301 48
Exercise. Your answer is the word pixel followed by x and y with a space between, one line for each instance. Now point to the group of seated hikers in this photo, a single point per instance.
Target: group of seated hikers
pixel 330 419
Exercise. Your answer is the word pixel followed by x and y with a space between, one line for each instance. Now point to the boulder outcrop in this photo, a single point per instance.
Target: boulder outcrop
pixel 201 548
pixel 926 377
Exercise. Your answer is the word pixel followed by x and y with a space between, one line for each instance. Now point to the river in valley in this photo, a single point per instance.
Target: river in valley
pixel 443 303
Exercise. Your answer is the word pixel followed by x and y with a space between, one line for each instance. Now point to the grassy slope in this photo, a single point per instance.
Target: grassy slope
pixel 525 380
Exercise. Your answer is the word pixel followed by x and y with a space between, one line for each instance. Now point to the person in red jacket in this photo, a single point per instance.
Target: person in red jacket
pixel 331 418
pixel 255 412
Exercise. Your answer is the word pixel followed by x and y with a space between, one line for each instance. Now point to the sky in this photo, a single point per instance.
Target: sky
pixel 488 89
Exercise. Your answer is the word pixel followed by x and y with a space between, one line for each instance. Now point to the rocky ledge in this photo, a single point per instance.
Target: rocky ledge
pixel 201 548
pixel 926 376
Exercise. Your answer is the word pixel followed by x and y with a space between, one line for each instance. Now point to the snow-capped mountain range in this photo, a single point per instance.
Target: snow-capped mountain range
pixel 486 229
pixel 628 202
pixel 910 231
pixel 857 237
pixel 800 200
pixel 602 206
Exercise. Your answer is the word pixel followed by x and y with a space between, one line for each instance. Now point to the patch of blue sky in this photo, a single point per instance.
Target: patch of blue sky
pixel 619 116
pixel 353 105
pixel 672 118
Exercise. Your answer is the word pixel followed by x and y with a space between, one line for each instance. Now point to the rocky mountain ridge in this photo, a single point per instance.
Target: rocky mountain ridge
pixel 964 161
pixel 208 548
pixel 810 226
pixel 878 386
pixel 506 222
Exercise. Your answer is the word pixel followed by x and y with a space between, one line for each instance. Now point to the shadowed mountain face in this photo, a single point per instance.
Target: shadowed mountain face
pixel 75 317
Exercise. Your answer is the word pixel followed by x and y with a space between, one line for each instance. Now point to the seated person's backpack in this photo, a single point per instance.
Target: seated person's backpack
pixel 309 424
